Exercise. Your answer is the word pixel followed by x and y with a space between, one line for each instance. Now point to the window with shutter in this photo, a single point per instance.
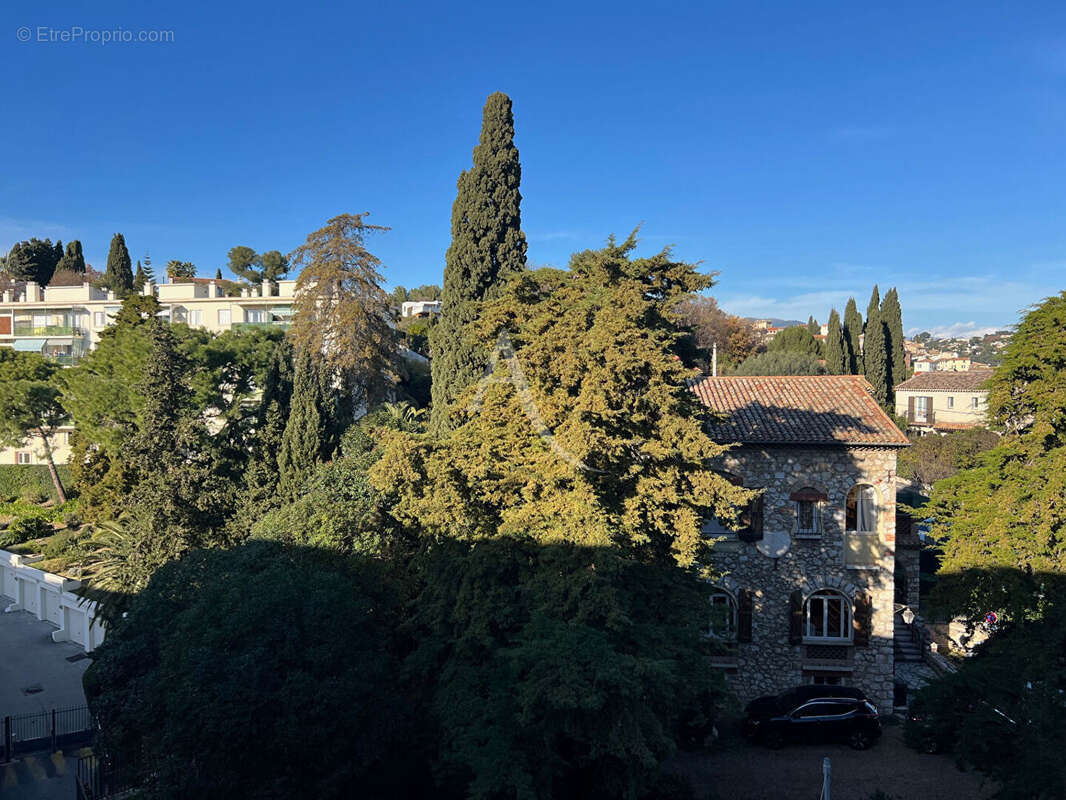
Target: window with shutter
pixel 744 615
pixel 752 521
pixel 795 617
pixel 862 620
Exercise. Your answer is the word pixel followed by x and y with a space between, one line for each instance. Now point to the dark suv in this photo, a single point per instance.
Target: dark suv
pixel 813 713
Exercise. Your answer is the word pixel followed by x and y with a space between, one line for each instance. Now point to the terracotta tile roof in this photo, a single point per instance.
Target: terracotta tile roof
pixel 946 381
pixel 797 409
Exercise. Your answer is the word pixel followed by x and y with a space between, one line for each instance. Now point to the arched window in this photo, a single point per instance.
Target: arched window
pixel 827 617
pixel 723 615
pixel 861 509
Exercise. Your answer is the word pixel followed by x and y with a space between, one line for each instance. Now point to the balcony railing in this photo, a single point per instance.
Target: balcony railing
pixel 275 324
pixel 46 330
pixel 63 359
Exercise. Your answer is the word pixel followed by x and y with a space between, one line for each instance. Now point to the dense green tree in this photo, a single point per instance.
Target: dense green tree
pixel 73 259
pixel 327 714
pixel 32 260
pixel 398 296
pixel 853 337
pixel 118 277
pixel 586 433
pixel 342 312
pixel 218 274
pixel 303 441
pixel 795 339
pixel 487 248
pixel 1001 524
pixel 29 406
pixel 813 326
pixel 149 273
pixel 875 357
pixel 786 362
pixel 253 267
pixel 836 353
pixel 428 291
pixel 892 317
pixel 180 270
pixel 557 671
pixel 140 277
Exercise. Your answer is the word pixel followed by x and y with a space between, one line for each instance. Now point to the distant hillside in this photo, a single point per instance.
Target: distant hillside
pixel 778 323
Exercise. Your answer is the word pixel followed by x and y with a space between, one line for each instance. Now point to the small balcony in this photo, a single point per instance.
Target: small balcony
pixel 283 324
pixel 22 329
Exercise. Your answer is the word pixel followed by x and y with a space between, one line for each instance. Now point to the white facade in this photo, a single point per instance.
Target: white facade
pixel 51 599
pixel 420 308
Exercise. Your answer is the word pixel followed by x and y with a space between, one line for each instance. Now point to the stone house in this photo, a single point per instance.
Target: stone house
pixel 806 587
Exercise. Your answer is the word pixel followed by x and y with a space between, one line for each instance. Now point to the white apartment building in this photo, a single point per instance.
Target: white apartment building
pixel 63 323
pixel 420 308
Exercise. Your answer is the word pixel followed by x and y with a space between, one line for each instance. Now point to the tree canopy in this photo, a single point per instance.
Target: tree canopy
pixel 586 433
pixel 836 350
pixel 788 362
pixel 33 260
pixel 118 276
pixel 29 405
pixel 795 339
pixel 1003 523
pixel 253 267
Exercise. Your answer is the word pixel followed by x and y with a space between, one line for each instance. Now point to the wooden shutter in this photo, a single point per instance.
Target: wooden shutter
pixel 910 408
pixel 752 532
pixel 744 609
pixel 929 418
pixel 862 620
pixel 795 617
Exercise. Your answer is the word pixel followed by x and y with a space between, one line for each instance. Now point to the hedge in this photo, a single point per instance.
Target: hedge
pixel 14 478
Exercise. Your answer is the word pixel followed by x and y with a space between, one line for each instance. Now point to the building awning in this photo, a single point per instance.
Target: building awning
pixel 29 345
pixel 281 311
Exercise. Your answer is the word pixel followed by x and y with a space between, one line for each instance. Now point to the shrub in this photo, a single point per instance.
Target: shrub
pixel 33 494
pixel 14 477
pixel 30 526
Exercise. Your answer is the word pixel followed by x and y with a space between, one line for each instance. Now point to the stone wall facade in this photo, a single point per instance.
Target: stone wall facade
pixel 784 561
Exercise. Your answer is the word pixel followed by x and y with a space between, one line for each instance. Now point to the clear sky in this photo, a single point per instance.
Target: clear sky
pixel 805 150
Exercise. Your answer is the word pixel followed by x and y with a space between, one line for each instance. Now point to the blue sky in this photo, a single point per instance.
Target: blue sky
pixel 805 150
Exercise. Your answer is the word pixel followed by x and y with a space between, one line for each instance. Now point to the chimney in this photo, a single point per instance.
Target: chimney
pixel 110 294
pixel 33 292
pixel 148 289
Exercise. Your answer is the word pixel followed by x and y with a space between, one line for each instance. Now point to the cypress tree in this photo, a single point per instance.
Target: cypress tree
pixel 139 278
pixel 487 248
pixel 892 315
pixel 73 259
pixel 118 277
pixel 836 356
pixel 302 441
pixel 853 337
pixel 875 357
pixel 813 326
pixel 218 274
pixel 262 477
pixel 165 398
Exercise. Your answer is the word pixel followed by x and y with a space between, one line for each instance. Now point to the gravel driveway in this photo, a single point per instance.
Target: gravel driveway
pixel 739 771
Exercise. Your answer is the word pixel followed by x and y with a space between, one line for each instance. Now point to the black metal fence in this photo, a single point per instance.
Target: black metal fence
pixel 60 727
pixel 94 780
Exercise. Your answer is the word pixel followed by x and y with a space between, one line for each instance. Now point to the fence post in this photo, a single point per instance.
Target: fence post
pixel 7 738
pixel 53 730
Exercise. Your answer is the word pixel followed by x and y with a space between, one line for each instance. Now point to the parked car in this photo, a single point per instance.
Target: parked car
pixel 813 713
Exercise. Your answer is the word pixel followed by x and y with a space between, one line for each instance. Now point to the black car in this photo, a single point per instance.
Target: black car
pixel 813 713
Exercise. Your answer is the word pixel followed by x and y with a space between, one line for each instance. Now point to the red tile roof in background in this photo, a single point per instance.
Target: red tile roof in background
pixel 797 409
pixel 946 381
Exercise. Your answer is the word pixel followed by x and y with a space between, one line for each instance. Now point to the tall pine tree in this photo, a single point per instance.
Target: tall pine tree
pixel 873 306
pixel 853 337
pixel 836 356
pixel 892 316
pixel 302 442
pixel 487 248
pixel 118 277
pixel 875 356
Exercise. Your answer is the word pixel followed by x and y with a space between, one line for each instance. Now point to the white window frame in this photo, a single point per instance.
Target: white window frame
pixel 99 319
pixel 875 511
pixel 225 317
pixel 196 317
pixel 951 402
pixel 846 611
pixel 256 315
pixel 975 401
pixel 921 408
pixel 721 597
pixel 23 457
